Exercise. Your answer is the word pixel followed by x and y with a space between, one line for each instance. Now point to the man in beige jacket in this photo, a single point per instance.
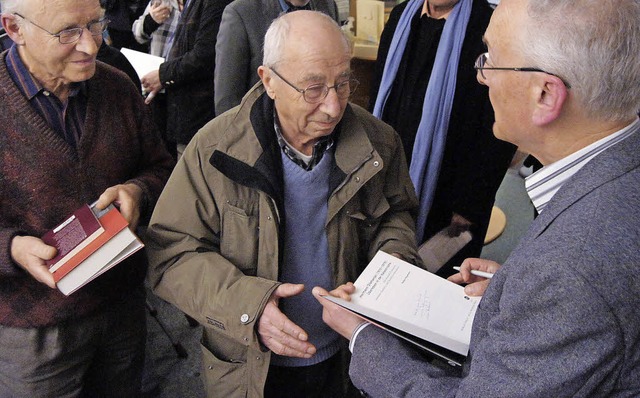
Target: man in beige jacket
pixel 294 188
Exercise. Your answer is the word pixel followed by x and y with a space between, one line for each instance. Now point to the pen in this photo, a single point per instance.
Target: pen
pixel 150 97
pixel 475 272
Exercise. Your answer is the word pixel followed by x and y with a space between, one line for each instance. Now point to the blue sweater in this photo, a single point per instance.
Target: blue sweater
pixel 306 255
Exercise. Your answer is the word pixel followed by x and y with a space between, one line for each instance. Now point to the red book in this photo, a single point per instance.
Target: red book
pixel 116 243
pixel 75 233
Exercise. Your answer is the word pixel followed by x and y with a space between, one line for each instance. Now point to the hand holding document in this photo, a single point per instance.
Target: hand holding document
pixel 416 305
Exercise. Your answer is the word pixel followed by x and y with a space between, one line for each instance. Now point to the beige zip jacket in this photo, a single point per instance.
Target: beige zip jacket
pixel 216 235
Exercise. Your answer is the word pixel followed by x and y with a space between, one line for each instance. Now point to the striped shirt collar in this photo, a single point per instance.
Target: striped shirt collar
pixel 302 160
pixel 542 185
pixel 25 81
pixel 65 118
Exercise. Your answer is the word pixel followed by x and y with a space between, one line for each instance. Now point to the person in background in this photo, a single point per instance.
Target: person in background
pixel 72 131
pixel 187 73
pixel 294 188
pixel 157 27
pixel 121 14
pixel 560 317
pixel 240 40
pixel 424 86
pixel 112 56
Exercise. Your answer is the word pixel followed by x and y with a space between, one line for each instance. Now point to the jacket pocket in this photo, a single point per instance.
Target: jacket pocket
pixel 239 243
pixel 223 378
pixel 368 216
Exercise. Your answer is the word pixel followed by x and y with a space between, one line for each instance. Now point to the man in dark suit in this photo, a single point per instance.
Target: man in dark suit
pixel 187 74
pixel 424 85
pixel 560 318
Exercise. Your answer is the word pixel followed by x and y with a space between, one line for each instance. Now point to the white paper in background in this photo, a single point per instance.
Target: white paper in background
pixel 143 63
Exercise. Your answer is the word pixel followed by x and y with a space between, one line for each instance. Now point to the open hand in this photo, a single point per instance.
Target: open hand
pixel 277 332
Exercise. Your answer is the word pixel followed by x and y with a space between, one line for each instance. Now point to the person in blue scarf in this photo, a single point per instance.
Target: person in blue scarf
pixel 424 86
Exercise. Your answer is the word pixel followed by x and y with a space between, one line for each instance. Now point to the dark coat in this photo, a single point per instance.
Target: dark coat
pixel 187 75
pixel 474 161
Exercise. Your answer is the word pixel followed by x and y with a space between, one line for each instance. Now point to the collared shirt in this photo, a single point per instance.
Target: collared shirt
pixel 543 184
pixel 288 7
pixel 65 118
pixel 305 161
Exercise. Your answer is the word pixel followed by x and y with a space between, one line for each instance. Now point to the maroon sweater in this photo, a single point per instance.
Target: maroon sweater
pixel 42 181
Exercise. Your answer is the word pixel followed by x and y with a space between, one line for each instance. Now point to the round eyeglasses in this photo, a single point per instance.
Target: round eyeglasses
pixel 68 36
pixel 481 65
pixel 317 92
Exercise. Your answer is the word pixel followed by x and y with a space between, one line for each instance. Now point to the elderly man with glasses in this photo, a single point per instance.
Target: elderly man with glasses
pixel 72 131
pixel 294 188
pixel 560 317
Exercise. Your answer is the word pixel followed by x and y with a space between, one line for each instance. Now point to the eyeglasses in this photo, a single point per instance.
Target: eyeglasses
pixel 68 36
pixel 317 92
pixel 481 62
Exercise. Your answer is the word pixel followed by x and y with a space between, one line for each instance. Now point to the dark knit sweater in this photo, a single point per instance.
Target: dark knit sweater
pixel 42 180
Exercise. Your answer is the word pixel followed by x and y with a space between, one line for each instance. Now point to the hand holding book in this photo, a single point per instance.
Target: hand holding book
pixel 335 316
pixel 429 311
pixel 30 253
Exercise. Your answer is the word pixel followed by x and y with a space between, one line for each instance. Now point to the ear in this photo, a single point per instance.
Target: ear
pixel 10 25
pixel 265 76
pixel 551 95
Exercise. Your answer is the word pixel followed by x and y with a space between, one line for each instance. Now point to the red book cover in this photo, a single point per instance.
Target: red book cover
pixel 112 222
pixel 75 233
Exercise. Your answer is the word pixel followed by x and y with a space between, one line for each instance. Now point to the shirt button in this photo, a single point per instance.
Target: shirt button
pixel 357 179
pixel 244 318
pixel 376 164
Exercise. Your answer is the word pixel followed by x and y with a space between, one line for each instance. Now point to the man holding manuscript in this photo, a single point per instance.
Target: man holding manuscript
pixel 560 318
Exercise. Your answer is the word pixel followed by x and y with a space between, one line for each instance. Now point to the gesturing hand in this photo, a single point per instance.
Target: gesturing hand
pixel 277 332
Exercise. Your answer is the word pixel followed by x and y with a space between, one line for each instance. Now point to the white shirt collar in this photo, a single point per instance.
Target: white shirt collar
pixel 542 185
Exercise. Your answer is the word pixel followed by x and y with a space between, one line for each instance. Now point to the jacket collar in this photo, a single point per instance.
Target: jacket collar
pixel 610 164
pixel 251 139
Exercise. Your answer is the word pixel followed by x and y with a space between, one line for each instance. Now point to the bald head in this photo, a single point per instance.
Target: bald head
pixel 302 33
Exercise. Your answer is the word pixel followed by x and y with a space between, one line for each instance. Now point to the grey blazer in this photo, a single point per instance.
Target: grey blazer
pixel 561 318
pixel 239 46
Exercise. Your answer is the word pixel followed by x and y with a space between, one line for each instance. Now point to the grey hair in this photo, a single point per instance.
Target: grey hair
pixel 10 6
pixel 594 45
pixel 276 37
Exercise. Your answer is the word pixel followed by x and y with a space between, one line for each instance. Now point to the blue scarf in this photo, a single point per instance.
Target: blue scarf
pixel 428 148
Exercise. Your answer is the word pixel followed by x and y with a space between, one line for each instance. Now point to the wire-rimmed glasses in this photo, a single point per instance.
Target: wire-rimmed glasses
pixel 71 35
pixel 481 65
pixel 317 92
